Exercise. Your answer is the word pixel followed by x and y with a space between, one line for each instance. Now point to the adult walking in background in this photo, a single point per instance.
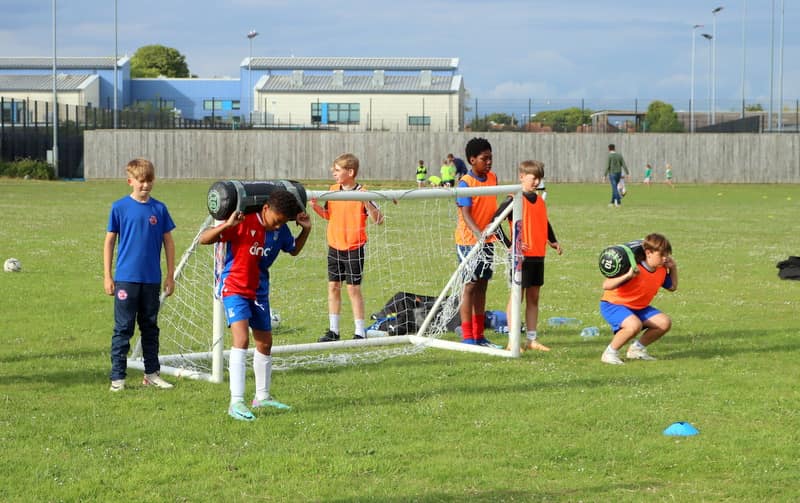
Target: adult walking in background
pixel 614 171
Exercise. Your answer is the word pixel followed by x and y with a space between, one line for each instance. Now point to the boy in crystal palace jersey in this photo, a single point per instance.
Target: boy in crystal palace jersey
pixel 143 225
pixel 537 235
pixel 625 304
pixel 253 241
pixel 474 215
pixel 347 238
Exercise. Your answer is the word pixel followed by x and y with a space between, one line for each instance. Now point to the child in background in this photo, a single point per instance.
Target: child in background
pixel 668 175
pixel 648 174
pixel 448 172
pixel 422 174
pixel 347 238
pixel 625 304
pixel 537 235
pixel 253 242
pixel 143 225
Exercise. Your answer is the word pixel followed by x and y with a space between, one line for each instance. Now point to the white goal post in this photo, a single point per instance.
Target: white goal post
pixel 412 251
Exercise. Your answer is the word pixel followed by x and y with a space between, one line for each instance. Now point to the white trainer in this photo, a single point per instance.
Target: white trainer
pixel 117 385
pixel 635 353
pixel 611 358
pixel 155 379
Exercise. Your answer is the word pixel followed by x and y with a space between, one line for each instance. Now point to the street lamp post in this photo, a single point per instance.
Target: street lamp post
pixel 116 52
pixel 55 97
pixel 250 35
pixel 744 51
pixel 710 39
pixel 691 97
pixel 714 66
pixel 780 72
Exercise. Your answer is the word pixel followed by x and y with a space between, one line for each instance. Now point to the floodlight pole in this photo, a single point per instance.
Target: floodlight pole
pixel 710 38
pixel 744 52
pixel 780 72
pixel 116 52
pixel 714 66
pixel 250 35
pixel 771 65
pixel 691 97
pixel 55 97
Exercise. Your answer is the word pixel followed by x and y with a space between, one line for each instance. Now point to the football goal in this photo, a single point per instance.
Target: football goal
pixel 412 252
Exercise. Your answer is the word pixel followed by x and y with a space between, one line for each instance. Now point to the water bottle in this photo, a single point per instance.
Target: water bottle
pixel 590 332
pixel 376 333
pixel 560 320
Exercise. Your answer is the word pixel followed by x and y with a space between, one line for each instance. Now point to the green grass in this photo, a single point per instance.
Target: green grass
pixel 438 426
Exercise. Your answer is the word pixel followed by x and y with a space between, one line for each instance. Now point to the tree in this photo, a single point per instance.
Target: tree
pixel 754 108
pixel 568 119
pixel 661 118
pixel 156 60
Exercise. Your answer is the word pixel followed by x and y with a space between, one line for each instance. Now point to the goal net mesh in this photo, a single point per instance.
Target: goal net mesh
pixel 412 251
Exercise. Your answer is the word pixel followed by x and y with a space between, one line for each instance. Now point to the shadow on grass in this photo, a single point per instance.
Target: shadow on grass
pixel 593 493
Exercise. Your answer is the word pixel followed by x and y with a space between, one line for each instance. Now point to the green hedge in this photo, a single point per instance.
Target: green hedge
pixel 27 168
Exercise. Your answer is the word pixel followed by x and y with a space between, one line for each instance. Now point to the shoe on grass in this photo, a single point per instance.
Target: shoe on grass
pixel 329 336
pixel 635 353
pixel 117 385
pixel 483 341
pixel 155 379
pixel 240 412
pixel 536 346
pixel 269 402
pixel 611 358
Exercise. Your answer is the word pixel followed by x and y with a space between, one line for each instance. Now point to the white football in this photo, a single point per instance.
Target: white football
pixel 275 317
pixel 12 265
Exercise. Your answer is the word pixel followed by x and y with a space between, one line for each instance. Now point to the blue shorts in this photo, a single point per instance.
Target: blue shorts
pixel 615 314
pixel 256 311
pixel 483 268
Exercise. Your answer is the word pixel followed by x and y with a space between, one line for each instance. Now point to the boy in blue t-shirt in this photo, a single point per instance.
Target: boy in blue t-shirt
pixel 143 225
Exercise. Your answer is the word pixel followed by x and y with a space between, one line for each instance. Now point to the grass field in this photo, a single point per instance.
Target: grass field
pixel 437 426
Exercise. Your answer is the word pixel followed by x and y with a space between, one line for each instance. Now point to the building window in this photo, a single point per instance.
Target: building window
pixel 154 104
pixel 419 120
pixel 223 105
pixel 335 113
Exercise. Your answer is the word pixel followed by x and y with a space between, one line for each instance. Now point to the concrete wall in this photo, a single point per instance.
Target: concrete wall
pixel 304 155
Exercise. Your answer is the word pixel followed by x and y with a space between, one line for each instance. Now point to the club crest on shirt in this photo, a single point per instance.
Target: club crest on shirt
pixel 122 294
pixel 153 220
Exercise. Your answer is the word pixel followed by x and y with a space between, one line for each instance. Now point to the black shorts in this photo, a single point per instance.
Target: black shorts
pixel 346 266
pixel 532 272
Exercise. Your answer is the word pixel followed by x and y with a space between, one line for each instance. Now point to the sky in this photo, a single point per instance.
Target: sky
pixel 509 50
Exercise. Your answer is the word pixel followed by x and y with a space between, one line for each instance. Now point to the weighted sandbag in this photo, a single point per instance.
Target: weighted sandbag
pixel 616 260
pixel 225 197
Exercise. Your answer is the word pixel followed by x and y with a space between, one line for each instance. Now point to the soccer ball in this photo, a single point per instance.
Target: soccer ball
pixel 12 265
pixel 275 318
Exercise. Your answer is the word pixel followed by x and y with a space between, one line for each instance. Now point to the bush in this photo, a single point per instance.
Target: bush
pixel 21 168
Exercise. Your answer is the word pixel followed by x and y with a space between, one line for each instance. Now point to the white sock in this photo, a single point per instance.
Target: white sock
pixel 333 322
pixel 638 345
pixel 531 335
pixel 262 368
pixel 237 370
pixel 360 327
pixel 611 350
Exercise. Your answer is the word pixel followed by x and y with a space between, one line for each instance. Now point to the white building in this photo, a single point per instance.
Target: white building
pixel 355 94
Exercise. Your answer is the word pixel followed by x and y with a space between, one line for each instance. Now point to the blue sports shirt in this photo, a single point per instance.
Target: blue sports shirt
pixel 140 228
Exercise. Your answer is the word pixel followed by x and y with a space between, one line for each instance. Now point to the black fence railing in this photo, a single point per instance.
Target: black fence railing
pixel 26 129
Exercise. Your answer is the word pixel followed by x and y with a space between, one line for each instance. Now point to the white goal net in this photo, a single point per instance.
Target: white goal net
pixel 412 252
